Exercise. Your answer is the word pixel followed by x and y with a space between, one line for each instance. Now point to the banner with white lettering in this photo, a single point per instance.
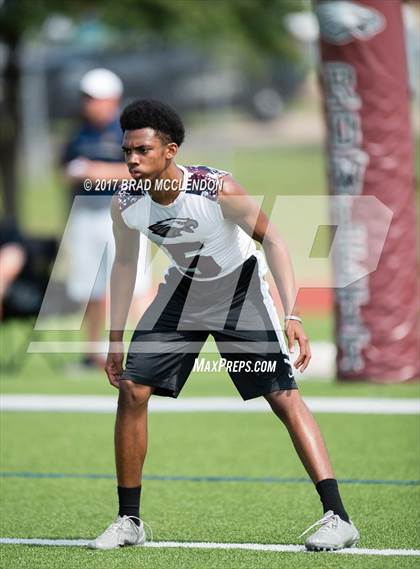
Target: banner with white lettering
pixel 370 152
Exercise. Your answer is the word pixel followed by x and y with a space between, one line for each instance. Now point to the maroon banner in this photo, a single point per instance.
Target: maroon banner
pixel 370 151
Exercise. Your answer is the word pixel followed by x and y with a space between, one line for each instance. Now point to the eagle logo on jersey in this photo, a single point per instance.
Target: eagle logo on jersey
pixel 174 226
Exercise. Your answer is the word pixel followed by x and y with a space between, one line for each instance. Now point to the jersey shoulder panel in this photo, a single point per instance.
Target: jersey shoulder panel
pixel 126 197
pixel 199 170
pixel 204 181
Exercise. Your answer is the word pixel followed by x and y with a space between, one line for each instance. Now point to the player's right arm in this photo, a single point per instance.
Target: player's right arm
pixel 123 279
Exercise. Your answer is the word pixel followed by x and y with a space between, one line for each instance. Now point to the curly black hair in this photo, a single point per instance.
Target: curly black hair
pixel 148 113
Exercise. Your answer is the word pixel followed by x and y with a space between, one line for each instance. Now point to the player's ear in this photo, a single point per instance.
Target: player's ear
pixel 171 150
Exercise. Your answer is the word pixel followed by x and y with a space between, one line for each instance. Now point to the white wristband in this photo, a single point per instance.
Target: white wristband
pixel 291 317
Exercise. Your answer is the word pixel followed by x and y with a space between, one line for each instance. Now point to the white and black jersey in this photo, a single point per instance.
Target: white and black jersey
pixel 192 229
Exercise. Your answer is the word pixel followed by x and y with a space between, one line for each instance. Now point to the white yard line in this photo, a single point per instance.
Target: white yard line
pixel 209 545
pixel 108 403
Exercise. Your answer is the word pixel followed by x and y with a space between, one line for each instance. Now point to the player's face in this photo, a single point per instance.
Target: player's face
pixel 145 153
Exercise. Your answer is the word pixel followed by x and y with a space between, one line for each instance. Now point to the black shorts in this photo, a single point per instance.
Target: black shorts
pixel 237 310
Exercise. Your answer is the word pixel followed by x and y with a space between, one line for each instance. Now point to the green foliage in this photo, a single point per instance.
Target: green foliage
pixel 254 25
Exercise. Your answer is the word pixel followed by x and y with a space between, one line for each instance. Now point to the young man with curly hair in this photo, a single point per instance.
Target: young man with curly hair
pixel 206 223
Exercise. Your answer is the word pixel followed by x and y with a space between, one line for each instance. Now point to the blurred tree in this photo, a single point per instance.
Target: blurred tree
pixel 255 27
pixel 17 17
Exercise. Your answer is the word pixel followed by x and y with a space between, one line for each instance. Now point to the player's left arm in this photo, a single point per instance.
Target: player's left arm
pixel 239 207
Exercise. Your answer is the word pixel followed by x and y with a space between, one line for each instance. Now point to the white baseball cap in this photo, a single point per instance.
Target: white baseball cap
pixel 101 84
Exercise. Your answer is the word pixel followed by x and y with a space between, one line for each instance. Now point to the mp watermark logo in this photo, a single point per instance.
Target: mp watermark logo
pixel 364 220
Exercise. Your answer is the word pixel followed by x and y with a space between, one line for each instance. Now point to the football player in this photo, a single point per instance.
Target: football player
pixel 207 224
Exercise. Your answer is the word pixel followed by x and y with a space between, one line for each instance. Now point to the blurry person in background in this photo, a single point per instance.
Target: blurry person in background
pixel 93 153
pixel 12 258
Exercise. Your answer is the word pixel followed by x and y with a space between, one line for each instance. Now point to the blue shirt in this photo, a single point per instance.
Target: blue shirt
pixel 102 144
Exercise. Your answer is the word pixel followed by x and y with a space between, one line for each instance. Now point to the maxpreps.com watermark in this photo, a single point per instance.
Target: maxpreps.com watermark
pixel 164 185
pixel 203 365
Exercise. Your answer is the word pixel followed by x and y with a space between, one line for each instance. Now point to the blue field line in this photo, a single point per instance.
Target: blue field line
pixel 174 478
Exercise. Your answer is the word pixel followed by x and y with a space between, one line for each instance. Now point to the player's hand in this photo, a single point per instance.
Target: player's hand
pixel 114 364
pixel 296 333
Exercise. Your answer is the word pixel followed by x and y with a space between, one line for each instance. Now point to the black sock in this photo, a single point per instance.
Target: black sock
pixel 129 501
pixel 330 497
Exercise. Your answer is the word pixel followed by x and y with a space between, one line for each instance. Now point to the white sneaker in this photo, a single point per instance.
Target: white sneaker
pixel 122 531
pixel 333 534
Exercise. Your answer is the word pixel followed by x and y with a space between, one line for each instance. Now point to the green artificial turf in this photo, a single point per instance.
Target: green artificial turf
pixel 249 444
pixel 25 557
pixel 205 444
